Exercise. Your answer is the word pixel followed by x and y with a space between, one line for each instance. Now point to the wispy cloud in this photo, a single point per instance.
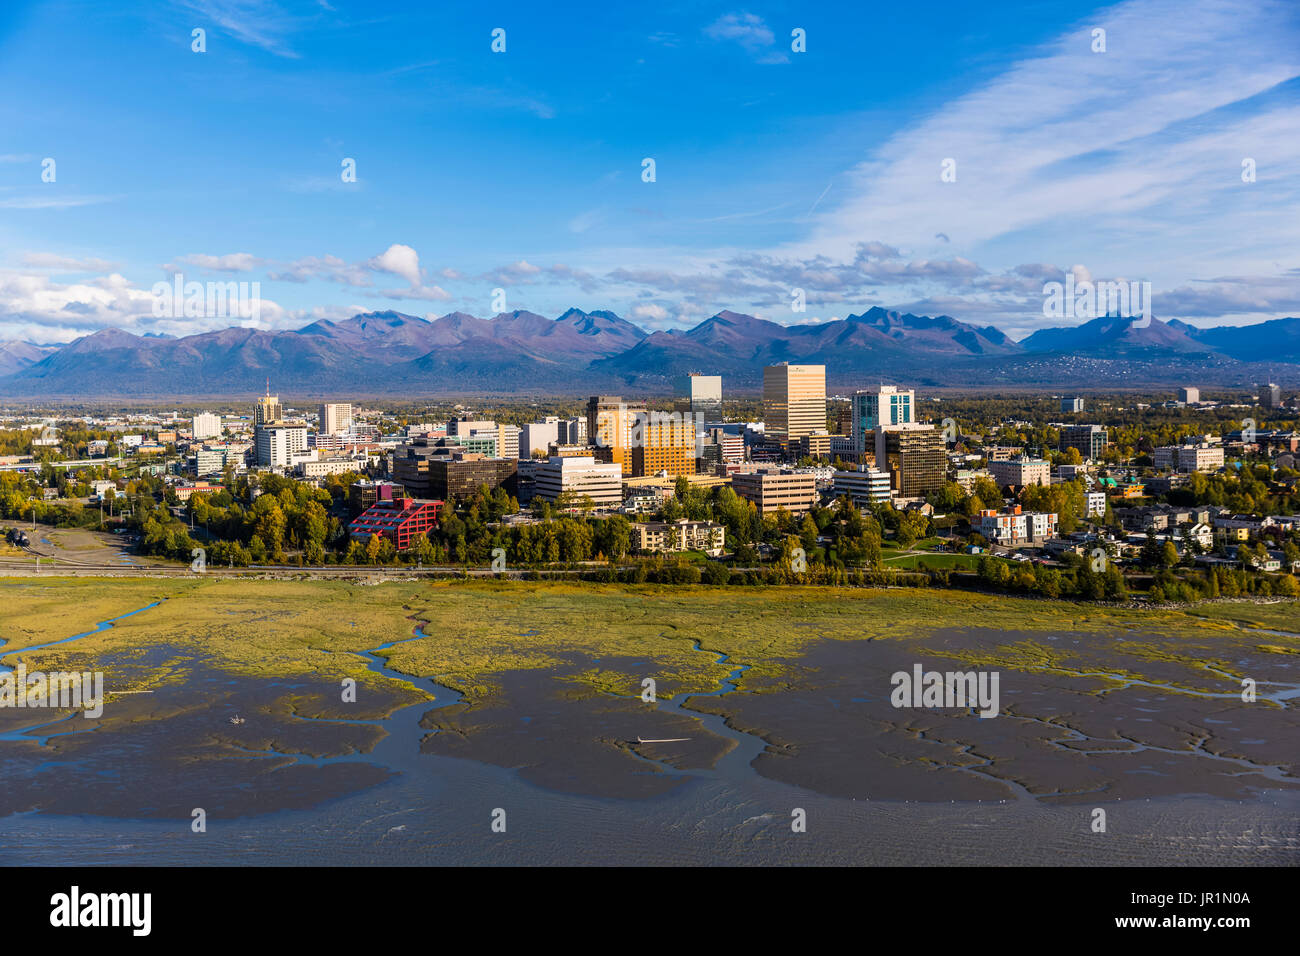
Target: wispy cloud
pixel 259 23
pixel 1103 150
pixel 747 29
pixel 53 202
pixel 57 263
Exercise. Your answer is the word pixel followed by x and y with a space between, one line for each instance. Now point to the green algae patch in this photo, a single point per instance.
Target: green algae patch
pixel 476 632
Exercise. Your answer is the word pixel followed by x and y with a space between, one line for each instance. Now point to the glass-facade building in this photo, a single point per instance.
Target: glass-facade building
pixel 884 405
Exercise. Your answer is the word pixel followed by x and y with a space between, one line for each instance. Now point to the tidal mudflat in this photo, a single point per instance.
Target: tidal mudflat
pixel 231 696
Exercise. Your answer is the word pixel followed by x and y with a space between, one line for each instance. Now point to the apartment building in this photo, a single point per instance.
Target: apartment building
pixel 1016 527
pixel 670 537
pixel 279 445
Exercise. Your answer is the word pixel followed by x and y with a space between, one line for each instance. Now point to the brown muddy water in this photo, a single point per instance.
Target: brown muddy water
pixel 1185 777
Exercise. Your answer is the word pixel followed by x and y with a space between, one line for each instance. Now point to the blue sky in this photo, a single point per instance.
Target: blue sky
pixel 522 170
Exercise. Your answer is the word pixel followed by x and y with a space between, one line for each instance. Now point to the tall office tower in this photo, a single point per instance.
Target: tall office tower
pixel 1270 395
pixel 1071 404
pixel 205 425
pixel 794 401
pixel 915 457
pixel 268 408
pixel 663 442
pixel 705 393
pixel 609 428
pixel 1189 395
pixel 335 418
pixel 882 405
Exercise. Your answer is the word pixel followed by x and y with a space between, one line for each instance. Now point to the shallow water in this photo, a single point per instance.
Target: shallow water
pixel 437 809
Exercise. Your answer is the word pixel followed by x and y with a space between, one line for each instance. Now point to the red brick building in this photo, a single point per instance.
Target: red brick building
pixel 399 521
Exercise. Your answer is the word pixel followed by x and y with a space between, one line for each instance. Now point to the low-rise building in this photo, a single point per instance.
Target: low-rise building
pixel 1017 527
pixel 186 491
pixel 1021 472
pixel 865 487
pixel 329 466
pixel 666 537
pixel 1189 458
pixel 772 489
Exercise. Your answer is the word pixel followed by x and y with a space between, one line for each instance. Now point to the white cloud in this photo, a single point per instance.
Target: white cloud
pixel 398 260
pixel 747 29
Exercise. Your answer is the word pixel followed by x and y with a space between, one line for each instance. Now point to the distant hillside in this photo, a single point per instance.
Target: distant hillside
pixel 390 353
pixel 15 356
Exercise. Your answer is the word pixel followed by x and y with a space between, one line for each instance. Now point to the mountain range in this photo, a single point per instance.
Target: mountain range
pixel 390 353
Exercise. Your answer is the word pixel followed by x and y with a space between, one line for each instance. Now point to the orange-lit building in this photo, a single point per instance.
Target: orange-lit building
pixel 609 427
pixel 663 442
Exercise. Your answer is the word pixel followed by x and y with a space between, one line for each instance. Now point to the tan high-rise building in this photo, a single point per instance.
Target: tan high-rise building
pixel 335 418
pixel 663 442
pixel 609 427
pixel 268 410
pixel 794 401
